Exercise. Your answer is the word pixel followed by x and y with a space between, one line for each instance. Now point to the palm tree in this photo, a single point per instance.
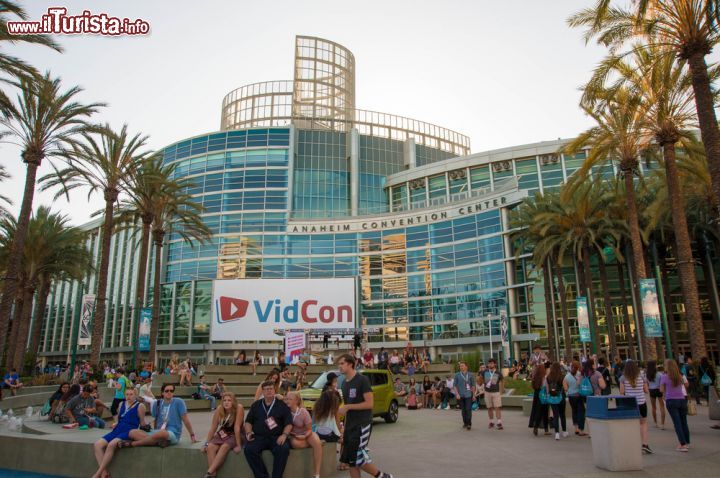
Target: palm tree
pixel 684 29
pixel 51 249
pixel 146 188
pixel 176 212
pixel 620 135
pixel 43 121
pixel 103 162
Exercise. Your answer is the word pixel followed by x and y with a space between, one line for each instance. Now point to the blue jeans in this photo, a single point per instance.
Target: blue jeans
pixel 677 408
pixel 90 421
pixel 213 401
pixel 253 451
pixel 577 403
pixel 559 416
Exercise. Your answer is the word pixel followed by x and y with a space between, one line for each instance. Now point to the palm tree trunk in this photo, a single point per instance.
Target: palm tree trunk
pixel 41 303
pixel 626 316
pixel 12 269
pixel 9 355
pixel 101 299
pixel 158 237
pixel 705 105
pixel 140 284
pixel 594 335
pixel 685 262
pixel 710 286
pixel 567 339
pixel 23 329
pixel 608 309
pixel 549 311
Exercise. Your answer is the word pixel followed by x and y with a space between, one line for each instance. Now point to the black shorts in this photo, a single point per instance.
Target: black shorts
pixel 331 438
pixel 655 393
pixel 643 410
pixel 355 442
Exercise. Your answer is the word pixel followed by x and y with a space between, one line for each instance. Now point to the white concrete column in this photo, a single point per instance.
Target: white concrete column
pixel 354 171
pixel 409 156
pixel 513 322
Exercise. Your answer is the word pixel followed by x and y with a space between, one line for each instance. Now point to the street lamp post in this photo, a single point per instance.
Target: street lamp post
pixel 489 319
pixel 76 326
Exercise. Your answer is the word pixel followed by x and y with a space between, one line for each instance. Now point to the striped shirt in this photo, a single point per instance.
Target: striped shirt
pixel 637 391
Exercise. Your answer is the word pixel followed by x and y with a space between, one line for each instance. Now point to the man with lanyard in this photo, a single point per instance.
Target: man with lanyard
pixel 359 400
pixel 170 413
pixel 464 390
pixel 121 384
pixel 267 427
pixel 537 357
pixel 494 388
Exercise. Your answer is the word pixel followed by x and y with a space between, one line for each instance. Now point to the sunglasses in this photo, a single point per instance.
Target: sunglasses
pixel 169 391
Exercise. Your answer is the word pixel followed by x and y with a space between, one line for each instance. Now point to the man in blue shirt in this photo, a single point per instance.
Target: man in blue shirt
pixel 12 381
pixel 170 413
pixel 464 384
pixel 122 383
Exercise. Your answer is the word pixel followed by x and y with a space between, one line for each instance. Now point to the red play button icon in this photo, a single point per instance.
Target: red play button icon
pixel 232 309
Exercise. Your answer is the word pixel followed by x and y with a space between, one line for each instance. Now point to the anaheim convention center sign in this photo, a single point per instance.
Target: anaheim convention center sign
pixel 252 309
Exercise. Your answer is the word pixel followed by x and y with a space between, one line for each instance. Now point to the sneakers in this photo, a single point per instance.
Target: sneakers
pixel 83 427
pixel 438 407
pixel 682 449
pixel 499 426
pixel 71 425
pixel 491 425
pixel 384 475
pixel 647 449
pixel 557 436
pixel 535 431
pixel 564 434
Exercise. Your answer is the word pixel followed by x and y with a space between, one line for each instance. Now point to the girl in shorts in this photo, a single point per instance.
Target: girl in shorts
pixel 656 397
pixel 301 435
pixel 632 384
pixel 224 434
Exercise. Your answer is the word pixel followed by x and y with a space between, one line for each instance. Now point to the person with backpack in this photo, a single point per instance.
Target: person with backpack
pixel 571 385
pixel 690 371
pixel 597 382
pixel 605 372
pixel 706 372
pixel 555 389
pixel 539 410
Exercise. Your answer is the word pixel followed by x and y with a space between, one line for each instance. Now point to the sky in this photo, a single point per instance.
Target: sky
pixel 504 73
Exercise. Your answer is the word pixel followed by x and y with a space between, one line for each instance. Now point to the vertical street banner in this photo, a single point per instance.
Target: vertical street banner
pixel 294 345
pixel 650 308
pixel 144 329
pixel 504 335
pixel 583 319
pixel 86 313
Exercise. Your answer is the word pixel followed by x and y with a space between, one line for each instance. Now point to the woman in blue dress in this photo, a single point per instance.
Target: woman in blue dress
pixel 130 416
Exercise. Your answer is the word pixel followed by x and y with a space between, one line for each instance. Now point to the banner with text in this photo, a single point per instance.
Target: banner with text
pixel 650 308
pixel 504 330
pixel 144 329
pixel 253 309
pixel 583 319
pixel 86 314
pixel 294 345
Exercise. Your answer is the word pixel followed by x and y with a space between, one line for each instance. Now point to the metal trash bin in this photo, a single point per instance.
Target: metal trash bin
pixel 615 427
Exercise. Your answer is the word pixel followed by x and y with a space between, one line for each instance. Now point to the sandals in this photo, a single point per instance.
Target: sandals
pixel 124 444
pixel 210 475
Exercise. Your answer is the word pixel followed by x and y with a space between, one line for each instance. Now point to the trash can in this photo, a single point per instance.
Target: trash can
pixel 615 427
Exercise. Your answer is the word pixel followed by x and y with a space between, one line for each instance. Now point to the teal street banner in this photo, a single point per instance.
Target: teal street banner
pixel 144 333
pixel 583 319
pixel 650 308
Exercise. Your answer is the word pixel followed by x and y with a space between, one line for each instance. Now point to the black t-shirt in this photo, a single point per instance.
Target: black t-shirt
pixel 606 375
pixel 260 412
pixel 353 392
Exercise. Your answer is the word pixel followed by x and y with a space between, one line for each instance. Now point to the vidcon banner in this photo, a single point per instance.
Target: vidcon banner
pixel 251 309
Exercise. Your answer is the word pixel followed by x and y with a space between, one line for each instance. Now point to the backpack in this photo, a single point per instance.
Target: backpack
pixel 586 388
pixel 606 375
pixel 705 380
pixel 196 396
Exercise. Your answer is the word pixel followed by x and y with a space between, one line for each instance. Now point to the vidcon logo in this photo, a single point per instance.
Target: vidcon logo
pixel 231 309
pixel 308 311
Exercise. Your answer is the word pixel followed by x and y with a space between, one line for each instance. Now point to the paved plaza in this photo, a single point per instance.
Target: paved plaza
pixel 428 443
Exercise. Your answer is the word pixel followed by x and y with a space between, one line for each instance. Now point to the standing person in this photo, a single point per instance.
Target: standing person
pixel 302 435
pixel 494 388
pixel 267 427
pixel 356 342
pixel 170 413
pixel 706 372
pixel 690 371
pixel 358 396
pixel 464 389
pixel 672 386
pixel 656 397
pixel 382 359
pixel 617 369
pixel 555 388
pixel 605 372
pixel 632 384
pixel 571 385
pixel 537 357
pixel 326 339
pixel 122 383
pixel 589 370
pixel 539 411
pixel 224 434
pixel 132 416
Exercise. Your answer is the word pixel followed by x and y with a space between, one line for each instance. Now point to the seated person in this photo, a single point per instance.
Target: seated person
pixel 145 393
pixel 267 427
pixel 81 410
pixel 12 382
pixel 399 388
pixel 204 391
pixel 55 398
pixel 241 358
pixel 224 434
pixel 170 413
pixel 219 388
pixel 369 359
pixel 58 414
pixel 282 362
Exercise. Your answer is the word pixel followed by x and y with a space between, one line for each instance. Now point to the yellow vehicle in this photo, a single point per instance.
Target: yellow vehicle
pixel 385 403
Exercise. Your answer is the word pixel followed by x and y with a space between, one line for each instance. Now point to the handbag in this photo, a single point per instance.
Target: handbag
pixel 705 380
pixel 692 408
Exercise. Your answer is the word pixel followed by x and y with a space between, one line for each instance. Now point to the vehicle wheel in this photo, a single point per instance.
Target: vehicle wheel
pixel 392 414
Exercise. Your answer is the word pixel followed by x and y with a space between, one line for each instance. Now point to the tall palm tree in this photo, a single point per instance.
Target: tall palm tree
pixel 619 135
pixel 147 185
pixel 43 120
pixel 103 162
pixel 176 212
pixel 685 29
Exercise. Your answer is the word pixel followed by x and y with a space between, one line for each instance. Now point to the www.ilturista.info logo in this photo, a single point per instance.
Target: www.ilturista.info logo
pixel 230 309
pixel 57 22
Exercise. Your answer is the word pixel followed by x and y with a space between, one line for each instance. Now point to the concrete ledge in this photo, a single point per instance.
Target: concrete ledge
pixel 56 455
